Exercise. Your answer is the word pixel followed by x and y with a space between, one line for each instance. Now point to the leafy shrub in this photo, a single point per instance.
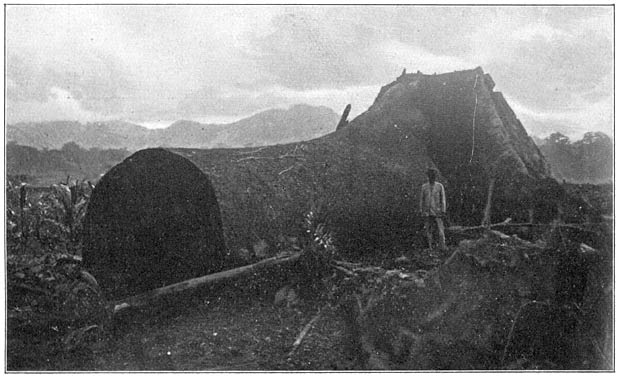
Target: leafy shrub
pixel 53 305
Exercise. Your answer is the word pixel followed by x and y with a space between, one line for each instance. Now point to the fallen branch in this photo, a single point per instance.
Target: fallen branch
pixel 452 257
pixel 562 225
pixel 271 158
pixel 347 264
pixel 286 170
pixel 464 228
pixel 252 151
pixel 145 298
pixel 354 268
pixel 304 332
pixel 344 270
pixel 507 223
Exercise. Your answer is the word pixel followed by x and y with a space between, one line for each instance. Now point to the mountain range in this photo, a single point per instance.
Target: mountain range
pixel 275 126
pixel 586 161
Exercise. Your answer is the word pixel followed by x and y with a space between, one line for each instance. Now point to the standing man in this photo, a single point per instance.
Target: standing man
pixel 432 205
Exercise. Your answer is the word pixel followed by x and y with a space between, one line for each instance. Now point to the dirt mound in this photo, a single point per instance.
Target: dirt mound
pixel 152 220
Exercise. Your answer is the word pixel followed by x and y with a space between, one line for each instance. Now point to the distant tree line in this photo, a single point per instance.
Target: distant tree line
pixel 44 167
pixel 589 160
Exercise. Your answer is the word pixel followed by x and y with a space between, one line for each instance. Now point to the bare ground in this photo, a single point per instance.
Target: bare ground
pixel 222 333
pixel 228 328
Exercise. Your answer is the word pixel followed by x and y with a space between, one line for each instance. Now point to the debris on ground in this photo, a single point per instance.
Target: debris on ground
pixel 494 303
pixel 54 307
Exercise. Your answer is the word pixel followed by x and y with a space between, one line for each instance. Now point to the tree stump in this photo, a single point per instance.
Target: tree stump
pixel 153 220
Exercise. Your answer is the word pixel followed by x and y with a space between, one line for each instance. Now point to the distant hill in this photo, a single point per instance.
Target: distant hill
pixel 53 135
pixel 298 123
pixel 589 160
pixel 45 167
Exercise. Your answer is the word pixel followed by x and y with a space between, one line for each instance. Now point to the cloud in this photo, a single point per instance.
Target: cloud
pixel 343 46
pixel 59 105
pixel 573 122
pixel 561 70
pixel 556 68
pixel 99 82
pixel 307 51
pixel 164 62
pixel 217 100
pixel 576 57
pixel 534 31
pixel 131 61
pixel 412 56
pixel 236 101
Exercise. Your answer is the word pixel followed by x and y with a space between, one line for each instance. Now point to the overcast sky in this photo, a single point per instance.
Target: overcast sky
pixel 157 64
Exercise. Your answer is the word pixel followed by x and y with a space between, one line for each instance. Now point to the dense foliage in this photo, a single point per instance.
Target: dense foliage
pixel 43 167
pixel 589 160
pixel 599 197
pixel 53 305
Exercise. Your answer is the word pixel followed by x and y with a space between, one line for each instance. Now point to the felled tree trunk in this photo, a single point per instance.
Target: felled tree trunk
pixel 153 220
pixel 366 175
pixel 200 282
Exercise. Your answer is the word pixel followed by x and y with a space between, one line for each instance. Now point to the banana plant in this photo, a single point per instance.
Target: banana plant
pixel 68 203
pixel 321 238
pixel 19 229
pixel 47 221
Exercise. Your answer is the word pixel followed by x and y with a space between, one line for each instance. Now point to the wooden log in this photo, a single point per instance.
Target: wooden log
pixel 147 297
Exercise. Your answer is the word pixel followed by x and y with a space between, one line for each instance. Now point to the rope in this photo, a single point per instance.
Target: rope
pixel 474 114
